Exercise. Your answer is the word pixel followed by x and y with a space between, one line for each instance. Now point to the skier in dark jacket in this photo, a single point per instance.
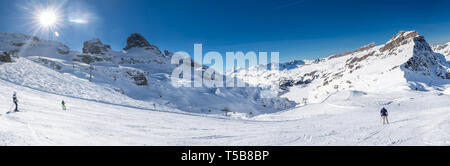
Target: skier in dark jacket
pixel 15 101
pixel 63 104
pixel 384 116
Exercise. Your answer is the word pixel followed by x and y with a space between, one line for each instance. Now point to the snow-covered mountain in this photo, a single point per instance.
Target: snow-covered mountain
pixel 130 101
pixel 141 71
pixel 406 62
pixel 443 49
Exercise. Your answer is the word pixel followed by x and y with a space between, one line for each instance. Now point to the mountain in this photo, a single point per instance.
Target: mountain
pixel 125 97
pixel 141 72
pixel 443 49
pixel 406 62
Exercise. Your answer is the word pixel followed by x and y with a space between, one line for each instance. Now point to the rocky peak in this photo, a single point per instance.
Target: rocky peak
pixel 402 35
pixel 138 41
pixel 95 46
pixel 401 39
pixel 442 49
pixel 5 57
pixel 426 61
pixel 167 53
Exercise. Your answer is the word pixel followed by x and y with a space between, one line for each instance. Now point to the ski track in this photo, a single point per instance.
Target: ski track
pixel 334 122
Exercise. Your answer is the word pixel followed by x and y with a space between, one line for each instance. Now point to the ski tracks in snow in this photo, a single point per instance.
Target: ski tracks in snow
pixel 372 134
pixel 38 137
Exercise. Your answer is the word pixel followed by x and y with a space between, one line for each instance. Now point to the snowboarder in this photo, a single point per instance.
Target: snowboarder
pixel 63 105
pixel 15 101
pixel 384 116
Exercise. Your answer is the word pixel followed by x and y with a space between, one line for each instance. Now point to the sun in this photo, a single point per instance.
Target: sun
pixel 48 18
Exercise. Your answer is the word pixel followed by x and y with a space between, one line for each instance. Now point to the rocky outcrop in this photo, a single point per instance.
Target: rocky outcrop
pixel 138 41
pixel 290 65
pixel 89 59
pixel 95 46
pixel 50 63
pixel 443 49
pixel 425 61
pixel 5 57
pixel 367 47
pixel 400 39
pixel 138 77
pixel 64 50
pixel 304 80
pixel 167 53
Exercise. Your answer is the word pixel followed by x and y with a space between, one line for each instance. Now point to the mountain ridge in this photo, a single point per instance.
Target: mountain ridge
pixel 141 72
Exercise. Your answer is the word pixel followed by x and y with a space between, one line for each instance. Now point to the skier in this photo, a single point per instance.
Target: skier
pixel 15 101
pixel 384 116
pixel 63 105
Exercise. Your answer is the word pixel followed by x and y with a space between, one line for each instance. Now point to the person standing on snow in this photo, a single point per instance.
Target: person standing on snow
pixel 384 116
pixel 15 101
pixel 63 105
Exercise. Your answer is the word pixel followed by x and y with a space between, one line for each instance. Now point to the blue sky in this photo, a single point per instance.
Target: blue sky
pixel 298 29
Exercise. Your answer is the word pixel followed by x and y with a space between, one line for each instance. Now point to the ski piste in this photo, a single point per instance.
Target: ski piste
pixel 331 101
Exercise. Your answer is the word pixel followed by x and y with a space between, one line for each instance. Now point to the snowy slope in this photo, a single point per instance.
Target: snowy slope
pixel 141 72
pixel 29 74
pixel 347 118
pixel 343 96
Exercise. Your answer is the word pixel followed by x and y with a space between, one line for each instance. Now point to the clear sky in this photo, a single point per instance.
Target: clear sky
pixel 298 29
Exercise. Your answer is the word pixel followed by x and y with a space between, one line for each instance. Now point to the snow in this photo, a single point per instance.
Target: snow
pixel 42 65
pixel 443 49
pixel 352 120
pixel 112 110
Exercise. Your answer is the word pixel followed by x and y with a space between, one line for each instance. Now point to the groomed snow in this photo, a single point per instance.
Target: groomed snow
pixel 347 118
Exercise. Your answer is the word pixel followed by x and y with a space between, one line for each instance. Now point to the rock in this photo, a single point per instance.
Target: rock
pixel 425 61
pixel 167 53
pixel 139 78
pixel 367 47
pixel 88 59
pixel 400 39
pixel 5 57
pixel 63 50
pixel 18 44
pixel 95 46
pixel 50 63
pixel 290 65
pixel 138 41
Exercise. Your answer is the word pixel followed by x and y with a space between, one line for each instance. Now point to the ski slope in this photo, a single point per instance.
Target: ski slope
pixel 344 95
pixel 139 76
pixel 347 118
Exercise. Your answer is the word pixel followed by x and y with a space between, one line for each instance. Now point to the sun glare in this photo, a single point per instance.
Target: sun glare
pixel 48 18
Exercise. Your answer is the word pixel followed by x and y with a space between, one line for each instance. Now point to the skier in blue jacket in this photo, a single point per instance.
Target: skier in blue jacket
pixel 384 116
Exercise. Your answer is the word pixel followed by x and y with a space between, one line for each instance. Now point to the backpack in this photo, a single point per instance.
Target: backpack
pixel 383 112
